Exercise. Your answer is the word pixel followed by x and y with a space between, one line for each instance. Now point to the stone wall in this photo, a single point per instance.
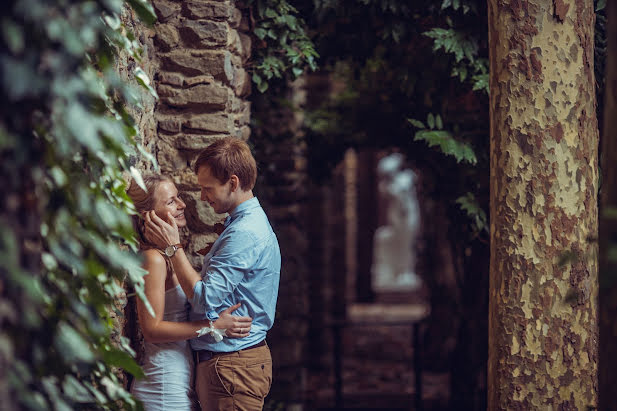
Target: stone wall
pixel 126 65
pixel 202 48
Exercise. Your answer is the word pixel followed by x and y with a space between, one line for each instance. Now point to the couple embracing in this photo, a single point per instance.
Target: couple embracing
pixel 240 275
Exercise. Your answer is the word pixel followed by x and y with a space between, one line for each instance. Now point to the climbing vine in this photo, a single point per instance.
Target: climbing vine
pixel 283 49
pixel 66 142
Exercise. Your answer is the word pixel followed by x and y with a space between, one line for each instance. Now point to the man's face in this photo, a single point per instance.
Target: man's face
pixel 217 194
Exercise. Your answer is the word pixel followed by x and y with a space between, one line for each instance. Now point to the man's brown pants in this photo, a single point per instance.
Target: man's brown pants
pixel 235 381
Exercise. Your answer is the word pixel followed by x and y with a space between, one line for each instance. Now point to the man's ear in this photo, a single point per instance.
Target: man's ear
pixel 235 182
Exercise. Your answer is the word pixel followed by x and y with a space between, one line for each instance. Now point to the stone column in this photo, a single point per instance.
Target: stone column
pixel 202 47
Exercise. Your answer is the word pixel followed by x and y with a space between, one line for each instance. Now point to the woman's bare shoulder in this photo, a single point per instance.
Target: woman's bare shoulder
pixel 153 256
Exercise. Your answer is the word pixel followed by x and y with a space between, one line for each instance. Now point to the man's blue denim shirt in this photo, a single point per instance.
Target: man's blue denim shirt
pixel 244 265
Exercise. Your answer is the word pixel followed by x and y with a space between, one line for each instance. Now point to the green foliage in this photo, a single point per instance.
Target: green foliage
pixel 435 136
pixel 283 49
pixel 470 205
pixel 386 77
pixel 464 47
pixel 66 141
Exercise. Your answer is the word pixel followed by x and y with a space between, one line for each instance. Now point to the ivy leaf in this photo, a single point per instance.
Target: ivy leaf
pixel 262 87
pixel 144 10
pixel 470 205
pixel 430 119
pixel 148 156
pixel 447 144
pixel 75 390
pixel 118 358
pixel 261 33
pixel 138 178
pixel 297 71
pixel 71 344
pixel 291 21
pixel 416 123
pixel 13 35
pixel 144 80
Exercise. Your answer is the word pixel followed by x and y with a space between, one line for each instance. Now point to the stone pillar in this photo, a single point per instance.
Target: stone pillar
pixel 202 47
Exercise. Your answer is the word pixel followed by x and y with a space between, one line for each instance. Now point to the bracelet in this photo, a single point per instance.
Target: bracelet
pixel 216 333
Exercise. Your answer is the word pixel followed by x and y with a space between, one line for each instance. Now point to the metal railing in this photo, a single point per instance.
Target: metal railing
pixel 413 319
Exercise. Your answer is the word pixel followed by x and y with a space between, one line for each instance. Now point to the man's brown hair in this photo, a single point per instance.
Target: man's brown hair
pixel 226 157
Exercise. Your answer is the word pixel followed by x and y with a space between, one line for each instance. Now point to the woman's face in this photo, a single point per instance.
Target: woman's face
pixel 166 200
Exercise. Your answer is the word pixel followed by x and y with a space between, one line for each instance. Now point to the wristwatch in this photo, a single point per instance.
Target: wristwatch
pixel 170 250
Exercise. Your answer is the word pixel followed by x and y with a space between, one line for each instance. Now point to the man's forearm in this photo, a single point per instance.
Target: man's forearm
pixel 187 276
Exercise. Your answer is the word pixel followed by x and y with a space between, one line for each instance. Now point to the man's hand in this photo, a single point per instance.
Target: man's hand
pixel 160 232
pixel 236 327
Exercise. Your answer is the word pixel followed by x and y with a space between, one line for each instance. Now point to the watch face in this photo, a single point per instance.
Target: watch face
pixel 170 251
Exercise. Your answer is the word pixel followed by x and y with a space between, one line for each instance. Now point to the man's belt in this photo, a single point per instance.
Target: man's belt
pixel 205 355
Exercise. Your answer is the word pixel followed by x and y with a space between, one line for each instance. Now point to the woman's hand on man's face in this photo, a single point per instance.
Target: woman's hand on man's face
pixel 160 232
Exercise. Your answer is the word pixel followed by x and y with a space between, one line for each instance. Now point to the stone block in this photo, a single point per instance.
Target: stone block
pixel 193 81
pixel 213 123
pixel 168 157
pixel 165 90
pixel 170 124
pixel 243 115
pixel 201 209
pixel 165 10
pixel 242 83
pixel 197 219
pixel 238 104
pixel 244 133
pixel 190 142
pixel 166 38
pixel 211 63
pixel 229 68
pixel 203 97
pixel 208 10
pixel 172 79
pixel 206 33
pixel 245 47
pixel 236 18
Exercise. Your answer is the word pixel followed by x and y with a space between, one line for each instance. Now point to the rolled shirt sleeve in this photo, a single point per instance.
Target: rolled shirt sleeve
pixel 225 270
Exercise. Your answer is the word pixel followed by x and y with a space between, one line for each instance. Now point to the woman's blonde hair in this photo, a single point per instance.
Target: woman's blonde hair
pixel 144 201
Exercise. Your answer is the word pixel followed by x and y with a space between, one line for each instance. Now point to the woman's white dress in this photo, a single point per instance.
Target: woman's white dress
pixel 168 366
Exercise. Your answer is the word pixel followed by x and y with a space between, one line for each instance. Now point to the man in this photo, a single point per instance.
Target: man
pixel 243 265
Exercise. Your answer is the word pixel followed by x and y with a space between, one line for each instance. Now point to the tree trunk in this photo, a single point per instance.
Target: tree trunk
pixel 608 226
pixel 543 327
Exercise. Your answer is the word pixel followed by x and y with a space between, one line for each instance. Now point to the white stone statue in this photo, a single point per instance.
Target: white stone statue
pixel 393 250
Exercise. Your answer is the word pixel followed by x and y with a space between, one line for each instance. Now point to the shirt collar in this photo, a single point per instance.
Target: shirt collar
pixel 241 208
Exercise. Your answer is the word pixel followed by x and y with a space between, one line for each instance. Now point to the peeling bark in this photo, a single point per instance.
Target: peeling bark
pixel 543 327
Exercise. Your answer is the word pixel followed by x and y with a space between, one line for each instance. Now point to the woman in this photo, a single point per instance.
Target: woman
pixel 167 358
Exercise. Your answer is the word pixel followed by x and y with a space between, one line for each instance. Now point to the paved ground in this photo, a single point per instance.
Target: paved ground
pixel 378 363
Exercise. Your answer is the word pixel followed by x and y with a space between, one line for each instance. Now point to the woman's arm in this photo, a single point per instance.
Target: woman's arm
pixel 156 330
